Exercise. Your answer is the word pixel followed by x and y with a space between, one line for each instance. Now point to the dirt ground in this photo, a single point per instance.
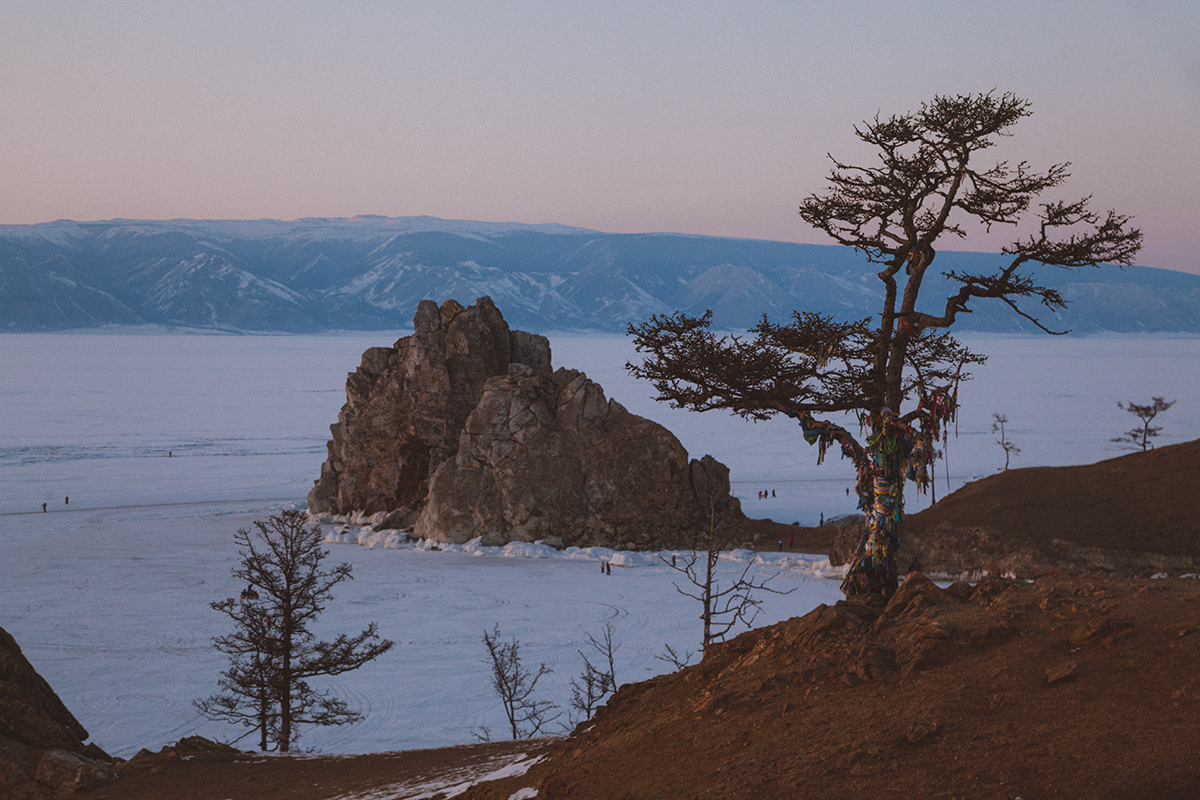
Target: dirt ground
pixel 180 774
pixel 1068 686
pixel 1143 501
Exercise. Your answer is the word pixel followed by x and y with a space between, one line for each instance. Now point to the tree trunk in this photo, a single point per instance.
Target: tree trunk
pixel 285 704
pixel 873 568
pixel 707 593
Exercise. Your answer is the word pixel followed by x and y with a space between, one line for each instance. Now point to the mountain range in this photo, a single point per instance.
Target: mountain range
pixel 367 273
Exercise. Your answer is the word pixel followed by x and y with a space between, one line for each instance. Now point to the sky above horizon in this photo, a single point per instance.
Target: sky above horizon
pixel 654 116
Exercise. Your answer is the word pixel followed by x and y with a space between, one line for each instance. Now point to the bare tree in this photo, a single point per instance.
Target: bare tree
pixel 273 654
pixel 595 683
pixel 247 696
pixel 926 184
pixel 938 453
pixel 724 603
pixel 1010 449
pixel 1141 436
pixel 515 685
pixel 673 657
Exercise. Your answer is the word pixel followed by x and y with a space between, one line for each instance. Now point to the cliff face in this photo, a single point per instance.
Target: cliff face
pixel 462 430
pixel 544 456
pixel 42 750
pixel 405 405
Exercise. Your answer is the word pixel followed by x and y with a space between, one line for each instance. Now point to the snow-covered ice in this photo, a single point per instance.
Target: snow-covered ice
pixel 111 606
pixel 167 444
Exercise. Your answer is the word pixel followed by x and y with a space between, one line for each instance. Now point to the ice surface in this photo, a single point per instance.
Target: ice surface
pixel 108 595
pixel 111 606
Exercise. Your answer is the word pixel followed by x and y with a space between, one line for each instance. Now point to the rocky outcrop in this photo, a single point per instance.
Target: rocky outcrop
pixel 42 750
pixel 406 405
pixel 548 455
pixel 462 430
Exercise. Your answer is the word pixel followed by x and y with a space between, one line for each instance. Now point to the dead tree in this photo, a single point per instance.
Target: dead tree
pixel 1010 449
pixel 1141 436
pixel 897 371
pixel 595 683
pixel 515 685
pixel 724 603
pixel 273 654
pixel 675 658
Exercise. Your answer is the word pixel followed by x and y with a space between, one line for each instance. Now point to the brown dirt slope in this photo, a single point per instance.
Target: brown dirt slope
pixel 1147 501
pixel 1132 515
pixel 1068 687
pixel 215 773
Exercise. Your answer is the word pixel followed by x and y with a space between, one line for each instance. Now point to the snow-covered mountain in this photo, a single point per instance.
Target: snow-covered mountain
pixel 367 273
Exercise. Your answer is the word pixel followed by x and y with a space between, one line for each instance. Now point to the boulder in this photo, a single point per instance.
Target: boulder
pixel 463 430
pixel 42 750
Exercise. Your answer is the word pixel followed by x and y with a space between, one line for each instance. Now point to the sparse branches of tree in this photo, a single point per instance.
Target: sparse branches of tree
pixel 674 658
pixel 273 654
pixel 247 698
pixel 1010 449
pixel 724 602
pixel 898 371
pixel 1141 435
pixel 515 686
pixel 595 683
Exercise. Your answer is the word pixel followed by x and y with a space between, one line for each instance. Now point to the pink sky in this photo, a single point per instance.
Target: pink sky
pixel 697 117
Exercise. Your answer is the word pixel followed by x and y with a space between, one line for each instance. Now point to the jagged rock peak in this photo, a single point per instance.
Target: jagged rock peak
pixel 406 404
pixel 462 430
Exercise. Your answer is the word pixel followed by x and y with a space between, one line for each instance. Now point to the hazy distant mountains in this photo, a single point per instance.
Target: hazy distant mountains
pixel 367 273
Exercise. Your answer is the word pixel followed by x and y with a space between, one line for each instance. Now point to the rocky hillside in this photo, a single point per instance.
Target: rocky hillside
pixel 42 750
pixel 1067 687
pixel 366 273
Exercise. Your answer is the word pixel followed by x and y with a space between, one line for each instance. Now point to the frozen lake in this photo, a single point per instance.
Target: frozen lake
pixel 108 595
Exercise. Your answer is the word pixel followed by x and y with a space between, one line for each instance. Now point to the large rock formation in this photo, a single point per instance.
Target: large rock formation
pixel 462 430
pixel 407 404
pixel 42 750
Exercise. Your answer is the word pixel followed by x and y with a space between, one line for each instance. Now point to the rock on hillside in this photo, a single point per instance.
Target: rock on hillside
pixel 1069 686
pixel 42 750
pixel 463 430
pixel 1127 515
